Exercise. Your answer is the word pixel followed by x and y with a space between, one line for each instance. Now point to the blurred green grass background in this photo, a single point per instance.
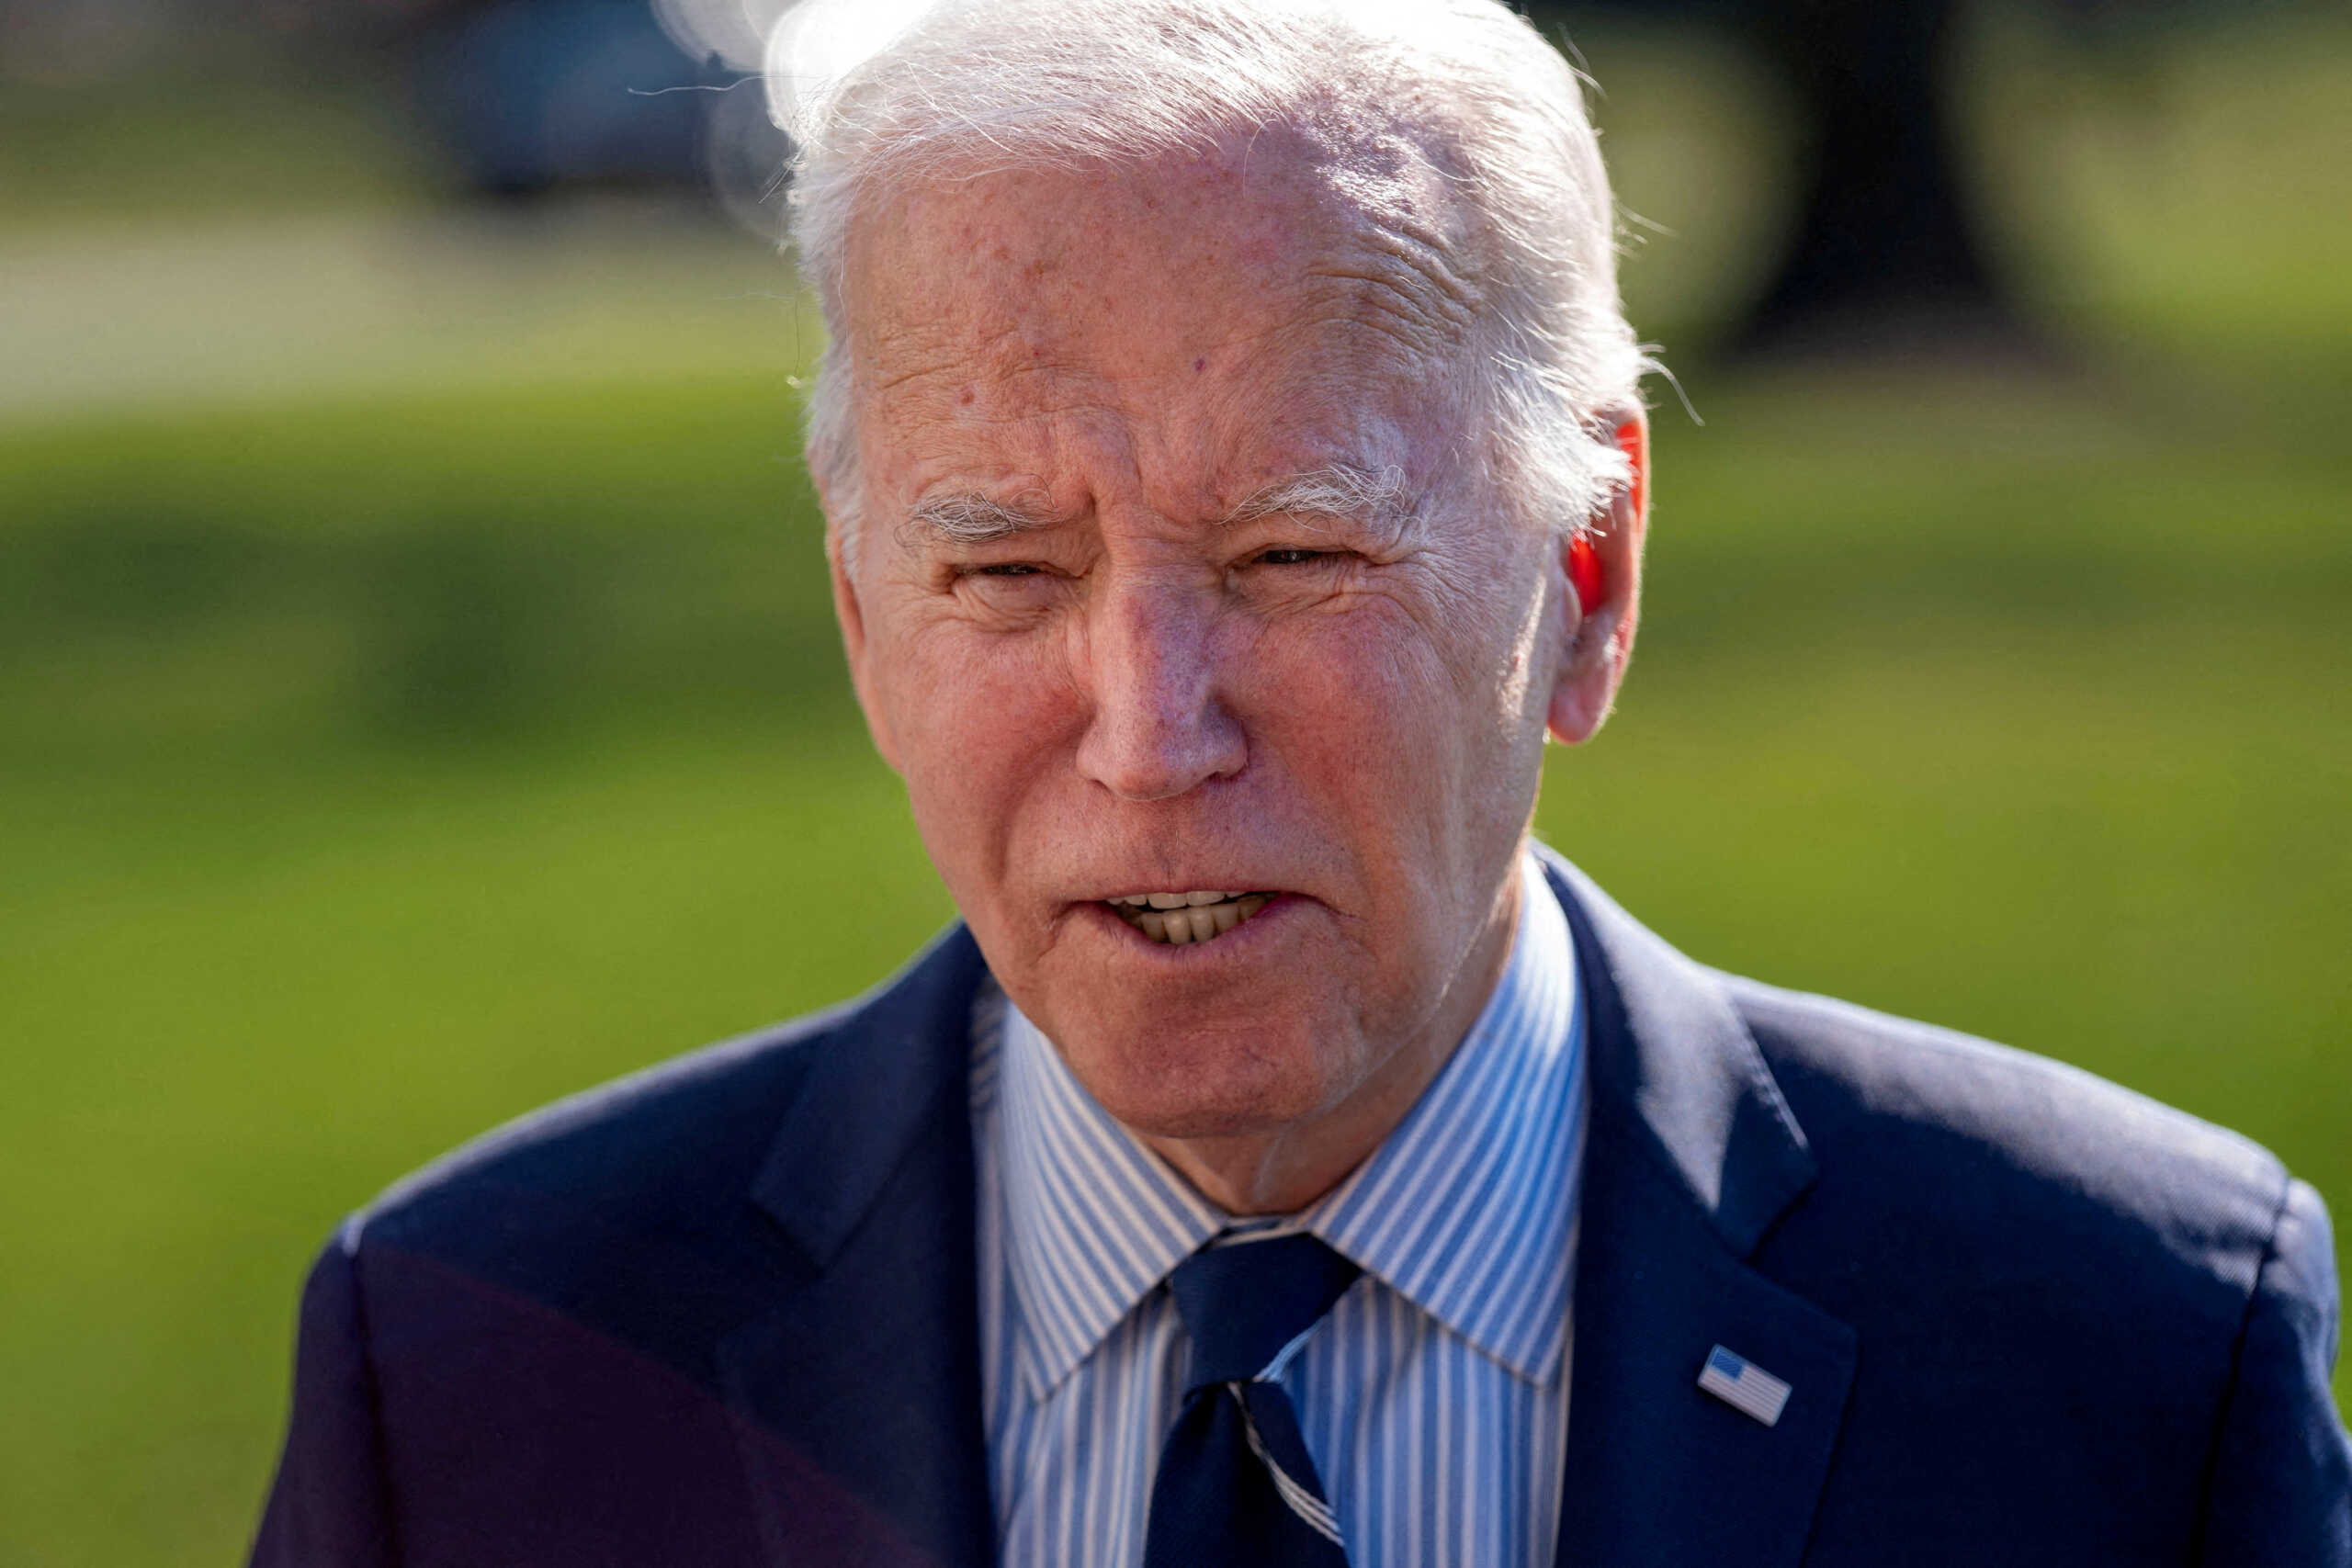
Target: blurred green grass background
pixel 418 697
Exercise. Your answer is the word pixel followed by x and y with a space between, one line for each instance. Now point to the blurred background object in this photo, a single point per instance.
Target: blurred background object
pixel 530 95
pixel 418 696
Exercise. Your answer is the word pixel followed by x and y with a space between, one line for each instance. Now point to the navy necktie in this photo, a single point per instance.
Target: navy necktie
pixel 1236 1488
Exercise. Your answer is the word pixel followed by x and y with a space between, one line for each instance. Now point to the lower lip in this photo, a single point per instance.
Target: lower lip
pixel 1230 943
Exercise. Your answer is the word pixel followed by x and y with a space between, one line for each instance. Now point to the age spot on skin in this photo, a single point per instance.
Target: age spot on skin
pixel 1199 366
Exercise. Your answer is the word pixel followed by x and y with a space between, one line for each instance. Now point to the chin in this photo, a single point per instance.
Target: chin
pixel 1200 1084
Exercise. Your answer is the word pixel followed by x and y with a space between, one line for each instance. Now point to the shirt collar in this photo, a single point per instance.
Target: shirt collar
pixel 1466 1209
pixel 1094 1219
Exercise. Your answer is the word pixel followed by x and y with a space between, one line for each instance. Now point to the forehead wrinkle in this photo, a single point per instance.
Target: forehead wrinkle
pixel 893 348
pixel 1421 268
pixel 941 379
pixel 1405 229
pixel 1387 300
pixel 896 376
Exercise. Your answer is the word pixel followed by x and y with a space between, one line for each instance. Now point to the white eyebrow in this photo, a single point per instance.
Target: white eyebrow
pixel 966 518
pixel 1335 489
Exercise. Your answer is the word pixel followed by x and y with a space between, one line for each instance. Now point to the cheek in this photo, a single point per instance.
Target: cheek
pixel 1359 713
pixel 1414 753
pixel 979 718
pixel 1383 706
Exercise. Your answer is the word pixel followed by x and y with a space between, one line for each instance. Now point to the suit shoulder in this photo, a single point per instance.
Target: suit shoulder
pixel 615 1148
pixel 1982 1145
pixel 1888 1067
pixel 673 1162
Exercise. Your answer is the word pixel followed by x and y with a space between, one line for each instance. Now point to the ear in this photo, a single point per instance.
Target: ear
pixel 1601 573
pixel 851 612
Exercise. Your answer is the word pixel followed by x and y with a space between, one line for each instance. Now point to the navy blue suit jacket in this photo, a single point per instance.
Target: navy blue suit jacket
pixel 724 1313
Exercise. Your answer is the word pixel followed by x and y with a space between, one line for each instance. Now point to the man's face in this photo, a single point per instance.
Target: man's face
pixel 1186 674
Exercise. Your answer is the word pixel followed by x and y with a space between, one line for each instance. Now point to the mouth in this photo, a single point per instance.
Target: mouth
pixel 1178 918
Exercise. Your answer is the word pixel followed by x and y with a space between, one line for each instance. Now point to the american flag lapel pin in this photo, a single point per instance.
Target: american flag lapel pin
pixel 1745 1386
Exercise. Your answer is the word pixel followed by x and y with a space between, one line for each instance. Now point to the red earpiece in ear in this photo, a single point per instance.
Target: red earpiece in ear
pixel 1584 571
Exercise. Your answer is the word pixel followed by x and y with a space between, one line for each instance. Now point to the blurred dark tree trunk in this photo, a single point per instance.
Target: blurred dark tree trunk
pixel 1885 248
pixel 1886 243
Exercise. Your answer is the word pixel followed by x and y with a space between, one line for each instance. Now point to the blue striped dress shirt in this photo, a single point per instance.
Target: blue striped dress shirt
pixel 1434 1396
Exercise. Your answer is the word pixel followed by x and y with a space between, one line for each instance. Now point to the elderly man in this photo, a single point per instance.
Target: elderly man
pixel 1234 472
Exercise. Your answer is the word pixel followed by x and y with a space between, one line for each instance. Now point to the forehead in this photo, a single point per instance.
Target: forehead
pixel 1263 304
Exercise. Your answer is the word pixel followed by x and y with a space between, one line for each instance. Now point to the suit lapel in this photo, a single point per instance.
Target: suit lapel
pixel 859 1392
pixel 1692 1155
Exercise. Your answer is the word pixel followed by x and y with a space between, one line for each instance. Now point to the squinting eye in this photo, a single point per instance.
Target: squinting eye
pixel 1005 568
pixel 1290 557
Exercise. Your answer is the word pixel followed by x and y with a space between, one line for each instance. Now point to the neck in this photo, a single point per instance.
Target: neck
pixel 1282 1170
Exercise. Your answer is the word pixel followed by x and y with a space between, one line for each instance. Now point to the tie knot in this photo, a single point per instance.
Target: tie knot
pixel 1243 1302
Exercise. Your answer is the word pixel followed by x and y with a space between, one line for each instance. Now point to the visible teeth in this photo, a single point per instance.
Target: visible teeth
pixel 1171 900
pixel 1190 920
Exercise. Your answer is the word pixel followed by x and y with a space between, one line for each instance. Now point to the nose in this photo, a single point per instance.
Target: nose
pixel 1159 725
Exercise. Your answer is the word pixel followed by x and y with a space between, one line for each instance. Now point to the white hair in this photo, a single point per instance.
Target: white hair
pixel 960 84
